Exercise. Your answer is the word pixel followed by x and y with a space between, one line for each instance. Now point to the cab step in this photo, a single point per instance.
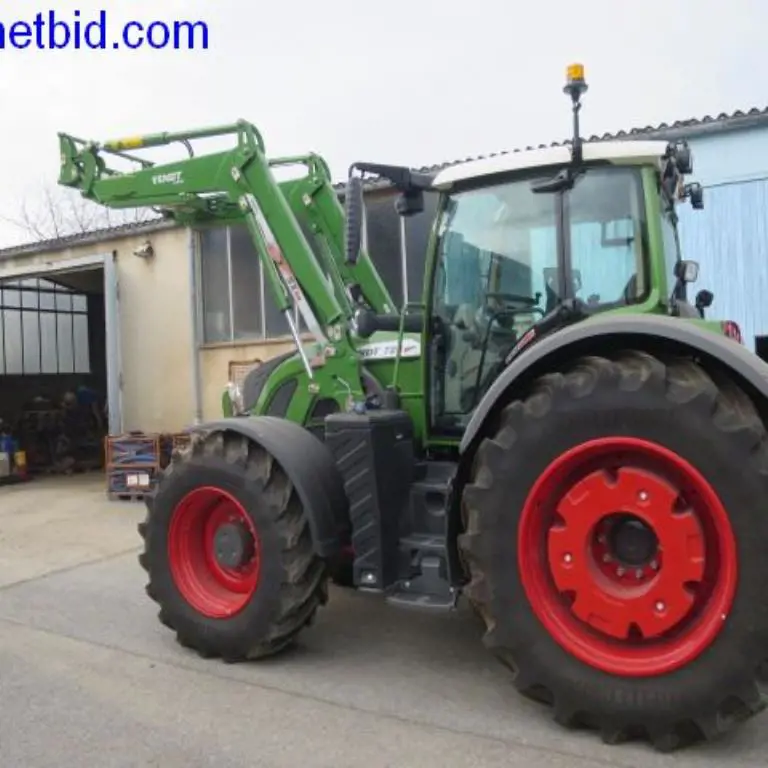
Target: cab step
pixel 428 587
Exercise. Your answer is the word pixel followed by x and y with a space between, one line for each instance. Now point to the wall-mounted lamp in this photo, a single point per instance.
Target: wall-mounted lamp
pixel 144 251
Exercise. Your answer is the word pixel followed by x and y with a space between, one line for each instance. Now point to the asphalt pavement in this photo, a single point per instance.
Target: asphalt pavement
pixel 90 679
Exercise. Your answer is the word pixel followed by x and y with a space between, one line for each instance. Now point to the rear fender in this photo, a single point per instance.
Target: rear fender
pixel 310 467
pixel 611 332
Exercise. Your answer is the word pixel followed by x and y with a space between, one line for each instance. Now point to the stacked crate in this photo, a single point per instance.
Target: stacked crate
pixel 132 464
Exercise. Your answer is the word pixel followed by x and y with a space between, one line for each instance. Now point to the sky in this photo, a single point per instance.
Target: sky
pixel 415 82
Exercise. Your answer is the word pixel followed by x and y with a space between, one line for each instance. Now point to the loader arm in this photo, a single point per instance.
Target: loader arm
pixel 314 199
pixel 311 197
pixel 230 185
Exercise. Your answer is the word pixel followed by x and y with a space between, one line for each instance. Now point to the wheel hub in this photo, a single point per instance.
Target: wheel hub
pixel 233 545
pixel 632 541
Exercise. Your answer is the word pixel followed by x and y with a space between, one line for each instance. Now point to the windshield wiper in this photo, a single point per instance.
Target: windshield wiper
pixel 560 182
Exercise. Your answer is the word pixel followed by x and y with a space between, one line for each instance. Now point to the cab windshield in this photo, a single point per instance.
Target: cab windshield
pixel 508 255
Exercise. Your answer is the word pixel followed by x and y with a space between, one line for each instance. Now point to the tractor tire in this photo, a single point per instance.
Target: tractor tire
pixel 225 493
pixel 615 538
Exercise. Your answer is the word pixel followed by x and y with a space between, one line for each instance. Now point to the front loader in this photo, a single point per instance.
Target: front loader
pixel 556 433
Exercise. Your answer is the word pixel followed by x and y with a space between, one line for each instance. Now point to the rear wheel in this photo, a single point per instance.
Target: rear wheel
pixel 615 539
pixel 228 551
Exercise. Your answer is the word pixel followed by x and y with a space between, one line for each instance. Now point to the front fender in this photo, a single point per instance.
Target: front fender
pixel 614 331
pixel 310 467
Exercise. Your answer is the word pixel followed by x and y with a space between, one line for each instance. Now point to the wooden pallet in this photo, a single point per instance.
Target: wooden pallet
pixel 126 496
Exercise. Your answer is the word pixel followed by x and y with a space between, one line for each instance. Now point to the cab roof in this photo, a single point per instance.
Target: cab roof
pixel 624 152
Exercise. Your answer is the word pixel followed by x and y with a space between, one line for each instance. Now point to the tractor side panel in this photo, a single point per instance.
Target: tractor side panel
pixel 379 356
pixel 280 387
pixel 614 331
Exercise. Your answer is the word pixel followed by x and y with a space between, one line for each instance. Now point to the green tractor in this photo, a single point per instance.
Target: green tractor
pixel 556 433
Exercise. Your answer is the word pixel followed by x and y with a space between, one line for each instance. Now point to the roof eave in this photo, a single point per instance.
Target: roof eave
pixel 80 239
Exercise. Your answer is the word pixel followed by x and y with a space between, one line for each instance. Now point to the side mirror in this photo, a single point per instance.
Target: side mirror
pixel 353 219
pixel 704 299
pixel 683 157
pixel 695 193
pixel 687 271
pixel 410 202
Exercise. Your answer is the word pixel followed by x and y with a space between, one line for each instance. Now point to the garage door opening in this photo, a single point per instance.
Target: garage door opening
pixel 53 372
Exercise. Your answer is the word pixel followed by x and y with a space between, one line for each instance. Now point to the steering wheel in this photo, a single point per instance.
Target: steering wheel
pixel 511 305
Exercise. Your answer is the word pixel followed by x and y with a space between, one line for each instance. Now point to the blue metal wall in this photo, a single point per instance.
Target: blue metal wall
pixel 729 238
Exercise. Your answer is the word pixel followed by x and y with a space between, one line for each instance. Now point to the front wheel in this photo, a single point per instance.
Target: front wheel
pixel 615 537
pixel 228 550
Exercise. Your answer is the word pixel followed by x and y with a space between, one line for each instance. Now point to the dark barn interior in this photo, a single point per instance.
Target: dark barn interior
pixel 53 373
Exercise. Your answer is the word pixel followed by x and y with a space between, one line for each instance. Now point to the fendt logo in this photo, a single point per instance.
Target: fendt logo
pixel 168 178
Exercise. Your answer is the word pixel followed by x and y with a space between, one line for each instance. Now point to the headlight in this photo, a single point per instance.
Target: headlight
pixel 236 396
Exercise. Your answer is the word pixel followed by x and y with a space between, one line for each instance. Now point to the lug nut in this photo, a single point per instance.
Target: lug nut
pixel 643 496
pixel 606 558
pixel 568 557
pixel 660 606
pixel 639 573
pixel 620 571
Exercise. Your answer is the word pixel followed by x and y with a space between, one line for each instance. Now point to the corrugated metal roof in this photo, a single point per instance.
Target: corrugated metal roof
pixel 689 128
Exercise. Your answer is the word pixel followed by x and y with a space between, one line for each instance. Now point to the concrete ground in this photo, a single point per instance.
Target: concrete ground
pixel 88 677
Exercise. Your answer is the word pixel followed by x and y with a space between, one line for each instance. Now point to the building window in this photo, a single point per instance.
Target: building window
pixel 384 239
pixel 236 304
pixel 43 329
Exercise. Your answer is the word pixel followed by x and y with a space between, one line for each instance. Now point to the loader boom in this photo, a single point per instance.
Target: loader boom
pixel 222 187
pixel 313 197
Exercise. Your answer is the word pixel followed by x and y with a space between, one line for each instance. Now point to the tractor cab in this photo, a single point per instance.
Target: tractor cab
pixel 508 252
pixel 527 242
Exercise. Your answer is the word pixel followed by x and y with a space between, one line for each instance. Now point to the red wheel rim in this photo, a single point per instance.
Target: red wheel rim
pixel 592 508
pixel 205 523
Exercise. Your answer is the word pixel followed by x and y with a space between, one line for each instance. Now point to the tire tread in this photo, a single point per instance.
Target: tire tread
pixel 682 382
pixel 303 589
